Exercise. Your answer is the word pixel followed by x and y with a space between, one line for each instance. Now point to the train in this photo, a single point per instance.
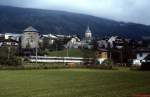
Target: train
pixel 47 59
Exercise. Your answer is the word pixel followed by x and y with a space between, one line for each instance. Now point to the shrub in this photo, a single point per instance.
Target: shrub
pixel 13 61
pixel 8 56
pixel 133 67
pixel 108 62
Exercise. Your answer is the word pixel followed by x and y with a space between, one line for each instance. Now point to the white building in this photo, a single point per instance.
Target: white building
pixel 30 38
pixel 112 40
pixel 116 42
pixel 102 44
pixel 50 36
pixel 74 43
pixel 140 58
pixel 12 36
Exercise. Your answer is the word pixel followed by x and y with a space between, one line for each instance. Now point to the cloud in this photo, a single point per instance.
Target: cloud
pixel 121 10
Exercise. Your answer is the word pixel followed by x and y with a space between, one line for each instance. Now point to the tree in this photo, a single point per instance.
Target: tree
pixel 8 56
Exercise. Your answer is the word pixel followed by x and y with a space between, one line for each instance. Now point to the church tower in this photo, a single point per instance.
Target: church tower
pixel 88 35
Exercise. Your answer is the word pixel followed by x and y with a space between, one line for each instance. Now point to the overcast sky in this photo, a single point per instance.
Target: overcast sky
pixel 121 10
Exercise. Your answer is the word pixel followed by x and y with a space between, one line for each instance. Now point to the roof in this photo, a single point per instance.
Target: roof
pixel 8 40
pixel 88 30
pixel 102 50
pixel 30 29
pixel 143 49
pixel 50 36
pixel 13 34
pixel 148 57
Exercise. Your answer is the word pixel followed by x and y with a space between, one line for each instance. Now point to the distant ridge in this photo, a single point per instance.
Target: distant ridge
pixel 14 19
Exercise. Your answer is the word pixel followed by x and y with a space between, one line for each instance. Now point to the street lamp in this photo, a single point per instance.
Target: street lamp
pixel 36 54
pixel 9 52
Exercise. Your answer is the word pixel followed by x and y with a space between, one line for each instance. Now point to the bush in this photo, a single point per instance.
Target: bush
pixel 13 61
pixel 108 62
pixel 8 56
pixel 135 68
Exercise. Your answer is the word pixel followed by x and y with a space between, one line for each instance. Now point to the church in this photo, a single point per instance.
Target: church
pixel 88 35
pixel 87 41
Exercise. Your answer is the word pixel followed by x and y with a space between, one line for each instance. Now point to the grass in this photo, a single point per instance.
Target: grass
pixel 72 53
pixel 73 83
pixel 29 66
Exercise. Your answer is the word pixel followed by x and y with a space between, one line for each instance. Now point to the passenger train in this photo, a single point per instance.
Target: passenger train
pixel 46 59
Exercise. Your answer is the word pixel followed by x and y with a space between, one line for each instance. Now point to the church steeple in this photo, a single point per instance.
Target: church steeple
pixel 88 34
pixel 88 29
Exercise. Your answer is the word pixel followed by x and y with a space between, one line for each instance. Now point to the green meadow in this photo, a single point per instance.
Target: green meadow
pixel 73 83
pixel 73 53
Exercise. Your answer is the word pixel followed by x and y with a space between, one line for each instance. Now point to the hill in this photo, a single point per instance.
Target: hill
pixel 14 19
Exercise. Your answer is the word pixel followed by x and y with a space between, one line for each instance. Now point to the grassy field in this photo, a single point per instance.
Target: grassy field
pixel 72 53
pixel 73 83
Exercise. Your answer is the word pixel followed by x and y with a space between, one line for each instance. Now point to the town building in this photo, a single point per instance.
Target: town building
pixel 50 38
pixel 102 55
pixel 142 59
pixel 8 42
pixel 12 36
pixel 30 38
pixel 116 42
pixel 75 42
pixel 102 43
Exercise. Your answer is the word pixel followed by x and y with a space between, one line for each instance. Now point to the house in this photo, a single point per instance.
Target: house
pixel 30 38
pixel 8 42
pixel 10 39
pixel 74 43
pixel 102 55
pixel 61 37
pixel 111 41
pixel 116 42
pixel 50 38
pixel 142 59
pixel 12 36
pixel 102 43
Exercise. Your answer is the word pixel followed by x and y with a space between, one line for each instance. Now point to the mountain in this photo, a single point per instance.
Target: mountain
pixel 14 19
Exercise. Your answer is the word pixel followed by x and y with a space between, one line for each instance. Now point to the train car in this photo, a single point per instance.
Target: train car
pixel 46 59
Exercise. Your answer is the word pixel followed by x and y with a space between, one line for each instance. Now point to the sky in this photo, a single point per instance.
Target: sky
pixel 121 10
